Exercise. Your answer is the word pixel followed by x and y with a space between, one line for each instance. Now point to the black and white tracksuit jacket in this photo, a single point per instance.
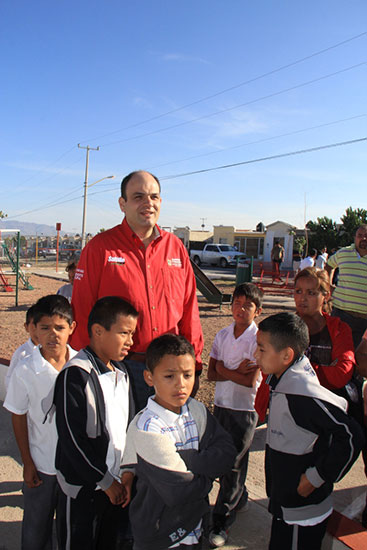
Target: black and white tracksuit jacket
pixel 309 431
pixel 81 424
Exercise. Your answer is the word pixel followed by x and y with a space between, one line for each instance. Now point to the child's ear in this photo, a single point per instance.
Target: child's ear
pixel 288 356
pixel 72 327
pixel 96 330
pixel 148 377
pixel 26 327
pixel 258 311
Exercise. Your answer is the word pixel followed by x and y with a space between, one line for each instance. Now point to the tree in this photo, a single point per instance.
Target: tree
pixel 101 230
pixel 351 220
pixel 323 232
pixel 3 215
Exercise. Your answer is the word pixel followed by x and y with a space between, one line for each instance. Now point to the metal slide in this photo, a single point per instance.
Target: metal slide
pixel 208 289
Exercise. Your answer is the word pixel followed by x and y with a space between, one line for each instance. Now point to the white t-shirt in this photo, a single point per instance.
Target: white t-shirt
pixel 306 262
pixel 232 351
pixel 115 388
pixel 30 384
pixel 321 260
pixel 19 354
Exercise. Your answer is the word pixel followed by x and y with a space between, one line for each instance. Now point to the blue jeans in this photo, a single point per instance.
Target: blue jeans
pixel 232 494
pixel 141 390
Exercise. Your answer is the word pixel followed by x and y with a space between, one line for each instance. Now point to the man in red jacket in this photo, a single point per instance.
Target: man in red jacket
pixel 146 266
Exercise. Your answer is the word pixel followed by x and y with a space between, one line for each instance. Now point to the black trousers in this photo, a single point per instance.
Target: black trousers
pixel 91 522
pixel 296 537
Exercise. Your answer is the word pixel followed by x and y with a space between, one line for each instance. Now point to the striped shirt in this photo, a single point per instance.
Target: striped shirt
pixel 351 292
pixel 182 429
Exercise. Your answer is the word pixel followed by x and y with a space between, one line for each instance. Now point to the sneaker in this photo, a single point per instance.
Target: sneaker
pixel 218 537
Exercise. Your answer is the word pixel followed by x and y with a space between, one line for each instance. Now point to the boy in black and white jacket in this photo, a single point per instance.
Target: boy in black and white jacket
pixel 94 405
pixel 311 441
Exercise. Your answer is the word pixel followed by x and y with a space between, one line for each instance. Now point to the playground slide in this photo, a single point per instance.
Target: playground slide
pixel 4 282
pixel 208 289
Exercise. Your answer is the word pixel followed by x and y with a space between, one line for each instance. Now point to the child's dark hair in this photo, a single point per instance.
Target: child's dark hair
pixel 71 266
pixel 106 310
pixel 287 330
pixel 167 344
pixel 251 291
pixel 29 316
pixel 53 304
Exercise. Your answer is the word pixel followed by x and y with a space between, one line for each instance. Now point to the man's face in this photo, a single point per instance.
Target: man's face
pixel 143 202
pixel 360 240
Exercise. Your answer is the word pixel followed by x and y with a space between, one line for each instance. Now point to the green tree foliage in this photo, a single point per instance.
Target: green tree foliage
pixel 3 215
pixel 351 220
pixel 323 232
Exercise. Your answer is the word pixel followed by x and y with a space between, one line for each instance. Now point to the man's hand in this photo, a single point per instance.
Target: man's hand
pixel 30 476
pixel 116 492
pixel 126 482
pixel 246 366
pixel 305 487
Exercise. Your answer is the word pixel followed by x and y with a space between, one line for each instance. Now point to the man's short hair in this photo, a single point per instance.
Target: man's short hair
pixel 53 304
pixel 29 316
pixel 127 178
pixel 106 310
pixel 251 291
pixel 287 330
pixel 362 226
pixel 167 344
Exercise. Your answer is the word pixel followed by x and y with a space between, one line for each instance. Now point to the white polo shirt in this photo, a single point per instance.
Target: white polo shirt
pixel 19 354
pixel 31 382
pixel 232 351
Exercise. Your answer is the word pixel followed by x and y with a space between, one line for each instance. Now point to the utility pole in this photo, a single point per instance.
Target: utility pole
pixel 85 188
pixel 203 220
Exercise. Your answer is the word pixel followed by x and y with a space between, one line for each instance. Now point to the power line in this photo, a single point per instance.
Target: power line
pixel 256 142
pixel 236 86
pixel 262 159
pixel 256 100
pixel 175 176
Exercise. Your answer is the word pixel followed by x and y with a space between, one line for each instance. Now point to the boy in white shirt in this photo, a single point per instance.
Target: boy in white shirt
pixel 29 386
pixel 232 366
pixel 28 346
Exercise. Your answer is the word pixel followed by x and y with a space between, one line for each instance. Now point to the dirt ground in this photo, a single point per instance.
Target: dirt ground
pixel 13 334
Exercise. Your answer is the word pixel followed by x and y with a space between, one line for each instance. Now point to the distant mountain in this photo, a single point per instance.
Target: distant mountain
pixel 28 228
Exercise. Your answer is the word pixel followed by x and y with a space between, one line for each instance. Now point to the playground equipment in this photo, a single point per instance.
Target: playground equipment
pixel 14 263
pixel 4 282
pixel 208 288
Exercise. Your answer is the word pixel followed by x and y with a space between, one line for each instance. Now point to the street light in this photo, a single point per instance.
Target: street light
pixel 86 185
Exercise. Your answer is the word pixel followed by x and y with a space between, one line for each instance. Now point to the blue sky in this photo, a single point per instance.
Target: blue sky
pixel 103 73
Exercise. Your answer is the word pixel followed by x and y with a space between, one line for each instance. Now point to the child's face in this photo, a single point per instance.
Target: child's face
pixel 53 335
pixel 173 379
pixel 270 360
pixel 244 311
pixel 71 275
pixel 308 299
pixel 32 331
pixel 114 344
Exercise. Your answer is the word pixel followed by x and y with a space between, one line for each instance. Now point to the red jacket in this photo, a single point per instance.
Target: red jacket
pixel 158 281
pixel 333 376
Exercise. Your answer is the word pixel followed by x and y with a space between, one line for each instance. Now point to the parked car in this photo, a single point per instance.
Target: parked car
pixel 47 252
pixel 217 254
